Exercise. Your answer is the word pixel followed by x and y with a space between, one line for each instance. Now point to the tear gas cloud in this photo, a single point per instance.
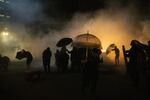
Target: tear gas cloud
pixel 110 25
pixel 26 10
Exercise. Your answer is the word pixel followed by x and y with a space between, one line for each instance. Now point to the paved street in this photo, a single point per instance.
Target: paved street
pixel 113 84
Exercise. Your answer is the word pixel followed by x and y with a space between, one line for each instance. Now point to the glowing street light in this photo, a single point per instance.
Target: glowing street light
pixel 4 33
pixel 5 38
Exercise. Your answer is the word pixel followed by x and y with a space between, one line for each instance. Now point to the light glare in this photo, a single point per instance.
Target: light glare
pixel 5 33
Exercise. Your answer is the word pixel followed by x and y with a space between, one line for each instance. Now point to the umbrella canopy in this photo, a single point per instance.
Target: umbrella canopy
pixel 87 40
pixel 63 42
pixel 110 48
pixel 19 55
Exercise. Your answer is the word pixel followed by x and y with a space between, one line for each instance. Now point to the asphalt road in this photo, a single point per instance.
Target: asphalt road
pixel 113 84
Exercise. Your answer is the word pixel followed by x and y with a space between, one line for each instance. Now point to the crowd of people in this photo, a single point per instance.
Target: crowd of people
pixel 77 55
pixel 62 59
pixel 138 64
pixel 86 60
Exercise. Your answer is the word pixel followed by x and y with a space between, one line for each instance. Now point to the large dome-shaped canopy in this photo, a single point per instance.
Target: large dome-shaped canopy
pixel 87 40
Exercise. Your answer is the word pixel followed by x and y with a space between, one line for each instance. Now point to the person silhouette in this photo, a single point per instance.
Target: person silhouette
pixel 75 59
pixel 57 60
pixel 46 59
pixel 56 57
pixel 25 54
pixel 63 59
pixel 90 72
pixel 132 67
pixel 4 61
pixel 117 54
pixel 29 57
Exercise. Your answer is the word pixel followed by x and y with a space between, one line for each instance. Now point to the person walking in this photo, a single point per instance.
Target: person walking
pixel 47 59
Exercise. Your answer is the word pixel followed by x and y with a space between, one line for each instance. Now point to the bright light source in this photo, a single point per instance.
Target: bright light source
pixel 5 33
pixel 5 36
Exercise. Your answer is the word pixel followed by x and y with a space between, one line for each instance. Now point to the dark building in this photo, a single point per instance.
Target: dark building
pixel 4 14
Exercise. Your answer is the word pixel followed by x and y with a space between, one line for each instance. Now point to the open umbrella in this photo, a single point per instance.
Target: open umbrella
pixel 63 42
pixel 110 48
pixel 19 55
pixel 87 40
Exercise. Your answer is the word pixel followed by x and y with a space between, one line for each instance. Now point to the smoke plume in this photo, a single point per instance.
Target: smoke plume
pixel 118 22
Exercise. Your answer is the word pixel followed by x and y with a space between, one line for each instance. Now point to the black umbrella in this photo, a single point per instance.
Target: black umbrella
pixel 63 42
pixel 19 55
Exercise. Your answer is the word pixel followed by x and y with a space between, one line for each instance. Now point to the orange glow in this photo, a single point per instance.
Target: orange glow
pixel 109 30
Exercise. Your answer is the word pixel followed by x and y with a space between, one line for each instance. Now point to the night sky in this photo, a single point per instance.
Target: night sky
pixel 69 7
pixel 63 10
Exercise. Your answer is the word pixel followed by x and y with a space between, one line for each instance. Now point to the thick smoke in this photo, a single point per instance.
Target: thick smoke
pixel 113 24
pixel 116 23
pixel 25 10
